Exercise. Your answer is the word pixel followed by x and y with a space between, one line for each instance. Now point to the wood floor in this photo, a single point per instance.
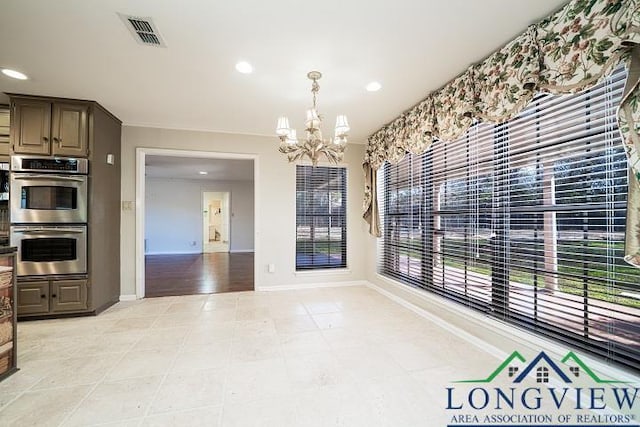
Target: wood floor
pixel 188 274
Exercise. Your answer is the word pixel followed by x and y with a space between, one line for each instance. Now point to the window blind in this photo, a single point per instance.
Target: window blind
pixel 524 221
pixel 321 220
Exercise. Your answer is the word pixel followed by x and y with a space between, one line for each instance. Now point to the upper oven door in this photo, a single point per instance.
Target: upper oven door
pixel 48 198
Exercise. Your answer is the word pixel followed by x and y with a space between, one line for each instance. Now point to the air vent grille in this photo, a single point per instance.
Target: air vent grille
pixel 143 30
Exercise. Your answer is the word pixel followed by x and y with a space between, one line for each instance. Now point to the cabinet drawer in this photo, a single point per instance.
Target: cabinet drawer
pixel 68 295
pixel 33 297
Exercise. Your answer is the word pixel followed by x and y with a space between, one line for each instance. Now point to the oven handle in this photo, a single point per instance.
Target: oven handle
pixel 49 230
pixel 48 177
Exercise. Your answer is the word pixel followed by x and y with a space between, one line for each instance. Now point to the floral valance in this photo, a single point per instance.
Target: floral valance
pixel 567 52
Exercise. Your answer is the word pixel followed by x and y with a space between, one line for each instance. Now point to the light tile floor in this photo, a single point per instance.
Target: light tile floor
pixel 321 357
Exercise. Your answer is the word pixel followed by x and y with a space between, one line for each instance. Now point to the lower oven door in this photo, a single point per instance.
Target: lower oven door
pixel 49 250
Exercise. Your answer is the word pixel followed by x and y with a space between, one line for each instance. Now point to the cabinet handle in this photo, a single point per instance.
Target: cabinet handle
pixel 56 139
pixel 45 139
pixel 53 296
pixel 43 296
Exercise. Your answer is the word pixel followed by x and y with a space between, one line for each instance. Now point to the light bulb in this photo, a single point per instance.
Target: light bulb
pixel 282 129
pixel 292 138
pixel 342 125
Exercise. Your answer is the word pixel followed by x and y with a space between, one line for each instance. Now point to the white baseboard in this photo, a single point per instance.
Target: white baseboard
pixel 470 338
pixel 175 253
pixel 325 272
pixel 299 286
pixel 483 331
pixel 241 251
pixel 128 297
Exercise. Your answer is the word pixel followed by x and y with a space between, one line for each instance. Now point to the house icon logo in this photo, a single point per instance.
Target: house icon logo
pixel 566 391
pixel 543 367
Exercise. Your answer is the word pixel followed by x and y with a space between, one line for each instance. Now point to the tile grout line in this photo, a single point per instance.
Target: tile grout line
pixel 225 384
pixel 164 378
pixel 95 386
pixel 179 351
pixel 30 388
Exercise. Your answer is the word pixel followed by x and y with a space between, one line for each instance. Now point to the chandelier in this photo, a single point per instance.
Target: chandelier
pixel 313 145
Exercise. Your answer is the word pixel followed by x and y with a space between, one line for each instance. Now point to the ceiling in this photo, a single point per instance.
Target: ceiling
pixel 190 168
pixel 81 49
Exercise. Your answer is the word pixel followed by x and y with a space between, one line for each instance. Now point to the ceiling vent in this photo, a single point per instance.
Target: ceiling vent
pixel 143 30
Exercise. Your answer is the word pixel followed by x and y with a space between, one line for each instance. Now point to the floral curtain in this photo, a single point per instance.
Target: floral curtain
pixel 567 52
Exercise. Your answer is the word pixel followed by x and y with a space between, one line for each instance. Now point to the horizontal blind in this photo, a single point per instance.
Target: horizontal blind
pixel 321 221
pixel 525 221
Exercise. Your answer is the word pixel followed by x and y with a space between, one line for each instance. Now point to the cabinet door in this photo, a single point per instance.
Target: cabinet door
pixel 68 295
pixel 33 298
pixel 70 131
pixel 4 131
pixel 31 127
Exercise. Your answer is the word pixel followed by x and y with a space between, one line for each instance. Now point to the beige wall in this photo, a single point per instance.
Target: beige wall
pixel 174 225
pixel 275 188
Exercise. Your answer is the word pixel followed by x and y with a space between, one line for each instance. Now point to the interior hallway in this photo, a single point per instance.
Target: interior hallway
pixel 189 274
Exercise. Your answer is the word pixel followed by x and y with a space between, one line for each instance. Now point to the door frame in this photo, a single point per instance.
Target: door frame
pixel 141 154
pixel 227 224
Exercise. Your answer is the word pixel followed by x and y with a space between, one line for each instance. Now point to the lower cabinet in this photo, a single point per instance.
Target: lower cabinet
pixel 33 298
pixel 52 296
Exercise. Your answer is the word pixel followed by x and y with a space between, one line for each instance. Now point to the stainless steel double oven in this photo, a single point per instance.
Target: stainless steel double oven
pixel 48 211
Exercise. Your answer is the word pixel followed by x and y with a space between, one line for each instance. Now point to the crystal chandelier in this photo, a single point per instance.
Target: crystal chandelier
pixel 313 146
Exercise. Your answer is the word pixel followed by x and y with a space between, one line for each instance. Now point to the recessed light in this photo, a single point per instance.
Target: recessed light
pixel 203 172
pixel 14 74
pixel 374 87
pixel 244 67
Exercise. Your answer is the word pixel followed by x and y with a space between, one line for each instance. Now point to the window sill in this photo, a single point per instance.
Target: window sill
pixel 323 272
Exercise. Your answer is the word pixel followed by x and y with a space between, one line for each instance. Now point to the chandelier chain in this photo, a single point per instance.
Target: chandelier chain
pixel 315 88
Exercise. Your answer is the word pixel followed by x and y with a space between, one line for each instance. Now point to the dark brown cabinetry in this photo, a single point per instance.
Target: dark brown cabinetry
pixel 45 127
pixel 68 295
pixel 33 297
pixel 44 297
pixel 4 130
pixel 8 350
pixel 50 128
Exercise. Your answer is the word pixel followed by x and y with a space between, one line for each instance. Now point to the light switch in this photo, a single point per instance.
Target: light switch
pixel 272 268
pixel 110 159
pixel 127 205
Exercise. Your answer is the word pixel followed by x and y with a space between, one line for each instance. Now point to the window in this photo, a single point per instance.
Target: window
pixel 542 374
pixel 321 220
pixel 524 221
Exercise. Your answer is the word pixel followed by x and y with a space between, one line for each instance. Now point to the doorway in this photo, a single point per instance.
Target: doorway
pixel 215 222
pixel 173 250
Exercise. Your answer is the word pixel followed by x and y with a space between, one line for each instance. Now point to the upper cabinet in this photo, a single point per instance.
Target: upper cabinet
pixel 50 127
pixel 4 130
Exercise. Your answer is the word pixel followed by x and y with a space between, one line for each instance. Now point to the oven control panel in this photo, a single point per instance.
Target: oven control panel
pixel 49 164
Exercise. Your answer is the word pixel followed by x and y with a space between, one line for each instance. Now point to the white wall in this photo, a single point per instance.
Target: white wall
pixel 173 214
pixel 275 187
